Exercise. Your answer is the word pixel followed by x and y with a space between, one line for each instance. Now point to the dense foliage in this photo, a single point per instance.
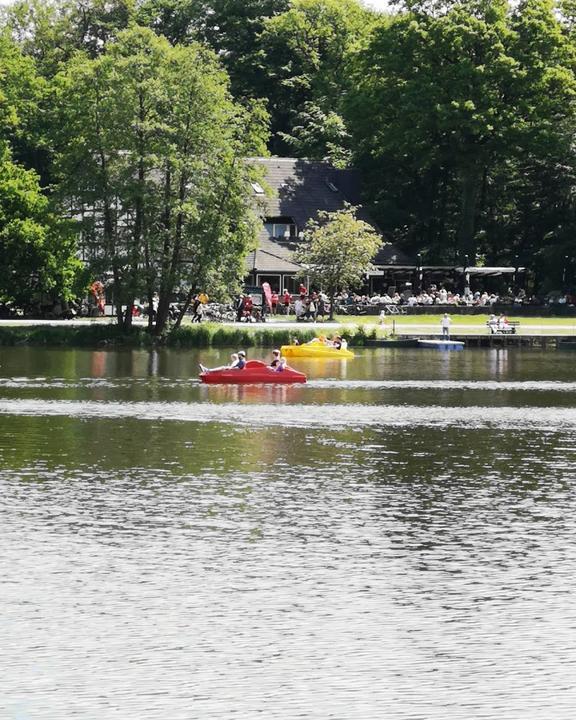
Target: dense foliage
pixel 37 246
pixel 463 122
pixel 461 117
pixel 154 166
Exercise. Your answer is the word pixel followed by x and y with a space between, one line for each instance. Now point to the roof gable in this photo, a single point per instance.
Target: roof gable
pixel 303 188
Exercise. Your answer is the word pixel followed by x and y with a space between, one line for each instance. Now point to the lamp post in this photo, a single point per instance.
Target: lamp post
pixel 466 276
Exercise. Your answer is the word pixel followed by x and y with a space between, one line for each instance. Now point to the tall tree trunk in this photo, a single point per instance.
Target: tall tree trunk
pixel 184 308
pixel 166 276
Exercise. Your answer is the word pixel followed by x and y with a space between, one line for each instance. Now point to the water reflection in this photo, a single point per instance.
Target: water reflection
pixel 393 540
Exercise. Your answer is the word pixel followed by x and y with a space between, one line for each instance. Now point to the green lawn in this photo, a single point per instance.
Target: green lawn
pixel 469 324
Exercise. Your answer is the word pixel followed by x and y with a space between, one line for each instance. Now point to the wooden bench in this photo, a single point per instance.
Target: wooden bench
pixel 510 329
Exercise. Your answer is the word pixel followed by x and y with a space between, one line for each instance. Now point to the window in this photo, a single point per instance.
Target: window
pixel 281 228
pixel 258 189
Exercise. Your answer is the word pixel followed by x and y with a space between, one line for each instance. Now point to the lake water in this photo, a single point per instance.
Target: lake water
pixel 396 539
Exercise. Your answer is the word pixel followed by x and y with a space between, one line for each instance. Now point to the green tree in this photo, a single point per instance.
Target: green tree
pixel 151 154
pixel 460 100
pixel 37 248
pixel 52 32
pixel 230 27
pixel 338 249
pixel 304 57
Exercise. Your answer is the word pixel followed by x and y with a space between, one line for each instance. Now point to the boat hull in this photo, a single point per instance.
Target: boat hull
pixel 441 344
pixel 255 373
pixel 316 350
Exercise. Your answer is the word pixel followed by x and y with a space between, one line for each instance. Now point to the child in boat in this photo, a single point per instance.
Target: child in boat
pixel 238 363
pixel 278 362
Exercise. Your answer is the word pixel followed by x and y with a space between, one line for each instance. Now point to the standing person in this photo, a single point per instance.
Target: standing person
pixel 274 302
pixel 286 300
pixel 445 325
pixel 298 308
pixel 321 309
pixel 312 309
pixel 239 307
pixel 248 307
pixel 196 313
pixel 303 290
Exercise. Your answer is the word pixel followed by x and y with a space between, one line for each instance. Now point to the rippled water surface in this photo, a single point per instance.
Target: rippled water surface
pixel 396 539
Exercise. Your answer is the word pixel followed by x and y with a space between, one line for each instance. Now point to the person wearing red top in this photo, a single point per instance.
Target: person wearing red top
pixel 248 305
pixel 302 289
pixel 274 302
pixel 286 299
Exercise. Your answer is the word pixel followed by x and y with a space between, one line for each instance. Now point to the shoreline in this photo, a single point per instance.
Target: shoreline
pixel 100 332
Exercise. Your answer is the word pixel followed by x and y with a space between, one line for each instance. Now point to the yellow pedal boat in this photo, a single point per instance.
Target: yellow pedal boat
pixel 315 350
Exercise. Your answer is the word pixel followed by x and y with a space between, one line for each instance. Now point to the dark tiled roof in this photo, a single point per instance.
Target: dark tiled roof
pixel 301 189
pixel 270 257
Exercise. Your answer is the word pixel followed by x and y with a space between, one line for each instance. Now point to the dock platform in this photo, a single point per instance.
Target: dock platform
pixel 472 340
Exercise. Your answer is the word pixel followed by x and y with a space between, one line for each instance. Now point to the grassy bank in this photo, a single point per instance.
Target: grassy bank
pixel 356 329
pixel 189 336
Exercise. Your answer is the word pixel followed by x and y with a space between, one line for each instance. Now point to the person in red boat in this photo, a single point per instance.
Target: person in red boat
pixel 238 362
pixel 278 362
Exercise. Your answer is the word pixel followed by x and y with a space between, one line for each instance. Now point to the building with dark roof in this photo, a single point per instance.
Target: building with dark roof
pixel 300 190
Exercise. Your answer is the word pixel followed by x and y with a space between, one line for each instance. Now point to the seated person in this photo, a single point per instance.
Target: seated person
pixel 278 362
pixel 238 362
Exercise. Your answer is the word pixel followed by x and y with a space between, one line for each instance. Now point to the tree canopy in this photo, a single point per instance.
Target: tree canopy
pixel 37 246
pixel 454 115
pixel 460 116
pixel 155 165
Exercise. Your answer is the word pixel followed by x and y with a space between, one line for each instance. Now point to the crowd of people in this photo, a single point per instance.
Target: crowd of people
pixel 311 305
pixel 431 296
pixel 305 305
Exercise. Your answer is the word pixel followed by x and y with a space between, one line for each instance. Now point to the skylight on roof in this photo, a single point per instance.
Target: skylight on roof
pixel 258 189
pixel 331 186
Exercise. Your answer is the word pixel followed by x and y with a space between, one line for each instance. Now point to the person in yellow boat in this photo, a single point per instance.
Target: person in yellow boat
pixel 339 343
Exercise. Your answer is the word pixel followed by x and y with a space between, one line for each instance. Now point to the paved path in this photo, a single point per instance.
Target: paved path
pixel 567 328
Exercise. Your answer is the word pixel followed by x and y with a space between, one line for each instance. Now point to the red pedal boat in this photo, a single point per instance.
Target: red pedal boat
pixel 255 371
